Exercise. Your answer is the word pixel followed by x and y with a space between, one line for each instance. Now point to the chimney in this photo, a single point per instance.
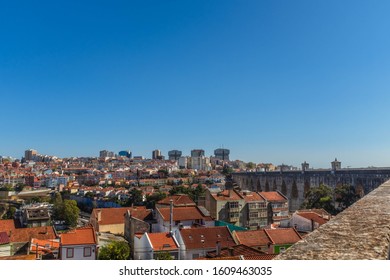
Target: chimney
pixel 99 215
pixel 231 251
pixel 218 249
pixel 170 215
pixel 312 225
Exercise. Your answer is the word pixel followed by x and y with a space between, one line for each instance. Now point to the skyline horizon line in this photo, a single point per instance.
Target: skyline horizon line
pixel 295 165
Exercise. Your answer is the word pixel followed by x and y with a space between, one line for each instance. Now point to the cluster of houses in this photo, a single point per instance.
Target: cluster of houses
pixel 232 225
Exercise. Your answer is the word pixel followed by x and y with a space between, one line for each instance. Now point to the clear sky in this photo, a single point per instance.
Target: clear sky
pixel 273 81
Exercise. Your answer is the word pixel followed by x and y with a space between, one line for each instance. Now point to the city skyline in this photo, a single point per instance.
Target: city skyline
pixel 277 82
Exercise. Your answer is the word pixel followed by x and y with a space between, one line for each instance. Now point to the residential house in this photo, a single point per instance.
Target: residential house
pixel 45 249
pixel 271 241
pixel 181 217
pixel 35 217
pixel 197 242
pixel 21 237
pixel 255 214
pixel 278 205
pixel 307 220
pixel 242 251
pixel 225 205
pixel 5 244
pixel 113 219
pixel 282 239
pixel 78 244
pixel 148 246
pixel 178 200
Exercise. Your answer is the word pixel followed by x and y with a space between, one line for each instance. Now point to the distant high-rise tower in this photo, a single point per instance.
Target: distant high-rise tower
pixel 156 154
pixel 105 153
pixel 222 154
pixel 30 154
pixel 174 155
pixel 127 154
pixel 197 153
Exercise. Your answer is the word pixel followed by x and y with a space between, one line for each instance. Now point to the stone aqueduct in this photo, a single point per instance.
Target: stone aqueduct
pixel 293 183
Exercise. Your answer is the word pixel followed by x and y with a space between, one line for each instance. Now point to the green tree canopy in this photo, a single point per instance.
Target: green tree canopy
pixel 250 165
pixel 345 196
pixel 66 210
pixel 163 255
pixel 319 197
pixel 153 198
pixel 116 250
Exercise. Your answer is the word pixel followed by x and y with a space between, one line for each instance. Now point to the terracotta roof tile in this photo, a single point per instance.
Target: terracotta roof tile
pixel 162 241
pixel 273 196
pixel 183 214
pixel 7 225
pixel 79 236
pixel 4 239
pixel 26 234
pixel 111 216
pixel 252 238
pixel 237 250
pixel 260 257
pixel 313 216
pixel 197 238
pixel 227 195
pixel 44 246
pixel 178 200
pixel 252 196
pixel 283 235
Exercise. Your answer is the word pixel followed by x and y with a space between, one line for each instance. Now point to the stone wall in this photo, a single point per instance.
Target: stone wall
pixel 361 232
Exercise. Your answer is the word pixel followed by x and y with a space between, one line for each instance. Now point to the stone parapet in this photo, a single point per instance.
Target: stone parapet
pixel 361 232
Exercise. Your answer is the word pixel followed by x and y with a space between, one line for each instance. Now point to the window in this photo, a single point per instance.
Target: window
pixel 69 253
pixel 87 252
pixel 282 249
pixel 233 204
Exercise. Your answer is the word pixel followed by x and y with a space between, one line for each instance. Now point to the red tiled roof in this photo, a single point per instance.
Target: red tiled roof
pixel 178 200
pixel 226 195
pixel 273 196
pixel 251 196
pixel 19 257
pixel 79 236
pixel 207 237
pixel 260 257
pixel 283 235
pixel 313 216
pixel 26 234
pixel 183 214
pixel 162 241
pixel 237 250
pixel 7 225
pixel 4 239
pixel 110 216
pixel 252 238
pixel 44 246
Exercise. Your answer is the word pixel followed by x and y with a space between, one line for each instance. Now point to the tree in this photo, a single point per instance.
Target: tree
pixel 227 170
pixel 71 212
pixel 115 250
pixel 66 210
pixel 163 255
pixel 250 165
pixel 153 198
pixel 345 196
pixel 319 197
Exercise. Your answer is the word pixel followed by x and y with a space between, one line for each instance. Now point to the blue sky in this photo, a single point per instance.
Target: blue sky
pixel 273 81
